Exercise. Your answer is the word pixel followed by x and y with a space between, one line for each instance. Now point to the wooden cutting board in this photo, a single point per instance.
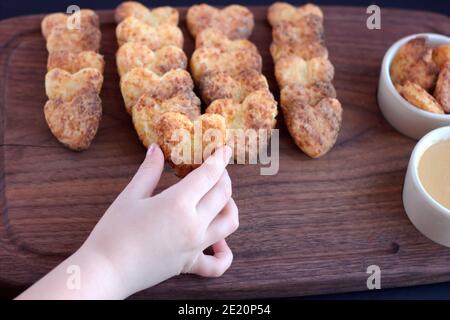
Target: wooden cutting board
pixel 313 228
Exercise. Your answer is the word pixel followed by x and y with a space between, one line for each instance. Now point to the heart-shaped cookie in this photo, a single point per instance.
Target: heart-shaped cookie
pixel 88 18
pixel 311 94
pixel 231 61
pixel 60 84
pixel 221 85
pixel 297 31
pixel 306 30
pixel 235 21
pixel 306 51
pixel 282 11
pixel 62 39
pixel 293 70
pixel 138 55
pixel 313 116
pixel 74 62
pixel 413 62
pixel 134 30
pixel 140 80
pixel 74 122
pixel 149 108
pixel 155 17
pixel 185 143
pixel 245 120
pixel 217 39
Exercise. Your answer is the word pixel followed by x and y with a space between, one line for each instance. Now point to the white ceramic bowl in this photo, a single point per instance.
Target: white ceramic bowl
pixel 430 217
pixel 403 116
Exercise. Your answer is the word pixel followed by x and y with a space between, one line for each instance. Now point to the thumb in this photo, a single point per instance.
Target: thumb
pixel 147 177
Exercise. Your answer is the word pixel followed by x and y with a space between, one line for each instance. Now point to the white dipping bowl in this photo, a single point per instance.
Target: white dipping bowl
pixel 430 217
pixel 403 116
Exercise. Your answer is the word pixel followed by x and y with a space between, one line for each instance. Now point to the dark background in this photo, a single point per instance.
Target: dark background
pixel 10 8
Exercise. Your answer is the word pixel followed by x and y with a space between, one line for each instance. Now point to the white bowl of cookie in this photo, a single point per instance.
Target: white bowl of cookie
pixel 414 85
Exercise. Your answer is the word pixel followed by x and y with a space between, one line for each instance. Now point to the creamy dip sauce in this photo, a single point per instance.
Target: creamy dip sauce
pixel 434 172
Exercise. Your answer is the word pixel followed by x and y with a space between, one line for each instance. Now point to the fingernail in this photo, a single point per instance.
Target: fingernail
pixel 151 149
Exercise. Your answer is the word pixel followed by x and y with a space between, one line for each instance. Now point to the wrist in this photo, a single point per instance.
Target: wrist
pixel 99 278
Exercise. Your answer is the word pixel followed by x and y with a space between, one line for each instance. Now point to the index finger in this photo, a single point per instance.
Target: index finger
pixel 197 183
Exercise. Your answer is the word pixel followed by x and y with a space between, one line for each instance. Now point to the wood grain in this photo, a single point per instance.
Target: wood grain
pixel 313 228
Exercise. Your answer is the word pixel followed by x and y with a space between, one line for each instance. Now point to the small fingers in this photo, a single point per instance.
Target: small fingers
pixel 224 224
pixel 215 200
pixel 197 183
pixel 147 177
pixel 216 265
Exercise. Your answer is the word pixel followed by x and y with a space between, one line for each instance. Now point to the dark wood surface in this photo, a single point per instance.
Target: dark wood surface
pixel 313 228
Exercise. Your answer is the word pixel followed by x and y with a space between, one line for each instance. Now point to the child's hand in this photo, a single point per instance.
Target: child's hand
pixel 143 239
pixel 149 239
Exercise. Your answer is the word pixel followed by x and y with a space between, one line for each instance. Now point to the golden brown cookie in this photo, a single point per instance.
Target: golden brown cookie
pixel 140 80
pixel 88 18
pixel 138 55
pixel 220 85
pixel 74 78
pixel 298 31
pixel 149 108
pixel 310 94
pixel 313 117
pixel 304 73
pixel 413 62
pixel 306 30
pixel 244 120
pixel 218 39
pixel 441 54
pixel 156 17
pixel 75 41
pixel 293 70
pixel 73 62
pixel 74 122
pixel 442 91
pixel 60 84
pixel 134 30
pixel 185 143
pixel 235 21
pixel 231 61
pixel 257 111
pixel 306 51
pixel 419 97
pixel 282 11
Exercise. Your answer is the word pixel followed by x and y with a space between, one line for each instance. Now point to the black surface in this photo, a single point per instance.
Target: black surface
pixel 10 8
